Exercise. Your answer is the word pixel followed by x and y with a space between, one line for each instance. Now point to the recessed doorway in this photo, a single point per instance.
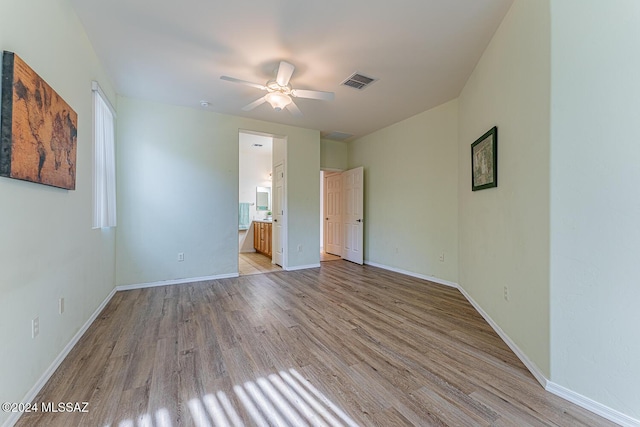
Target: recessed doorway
pixel 342 215
pixel 260 228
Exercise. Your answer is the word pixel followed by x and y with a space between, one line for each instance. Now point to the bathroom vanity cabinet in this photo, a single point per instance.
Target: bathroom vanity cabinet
pixel 262 237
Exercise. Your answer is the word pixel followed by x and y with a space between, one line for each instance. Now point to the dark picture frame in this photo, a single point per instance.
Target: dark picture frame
pixel 38 129
pixel 484 161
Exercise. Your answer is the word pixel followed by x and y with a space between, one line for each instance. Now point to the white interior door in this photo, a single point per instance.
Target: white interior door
pixel 353 218
pixel 333 214
pixel 278 215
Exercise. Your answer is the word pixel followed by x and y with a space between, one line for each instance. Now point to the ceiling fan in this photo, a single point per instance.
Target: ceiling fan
pixel 280 92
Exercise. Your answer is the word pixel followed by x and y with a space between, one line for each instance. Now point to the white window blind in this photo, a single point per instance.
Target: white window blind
pixel 104 191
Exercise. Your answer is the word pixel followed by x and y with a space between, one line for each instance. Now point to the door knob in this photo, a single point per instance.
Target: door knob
pixel 359 220
pixel 275 220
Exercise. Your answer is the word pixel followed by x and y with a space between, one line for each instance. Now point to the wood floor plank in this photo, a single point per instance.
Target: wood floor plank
pixel 105 397
pixel 250 263
pixel 338 345
pixel 163 389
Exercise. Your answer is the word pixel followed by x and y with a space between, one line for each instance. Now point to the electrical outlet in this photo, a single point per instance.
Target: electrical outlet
pixel 35 327
pixel 441 257
pixel 180 256
pixel 299 248
pixel 506 293
pixel 61 306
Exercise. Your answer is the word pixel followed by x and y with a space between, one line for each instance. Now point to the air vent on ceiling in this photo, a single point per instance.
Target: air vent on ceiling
pixel 337 136
pixel 358 81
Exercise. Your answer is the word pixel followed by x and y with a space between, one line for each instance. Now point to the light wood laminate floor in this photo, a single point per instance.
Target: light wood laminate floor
pixel 255 263
pixel 328 257
pixel 340 345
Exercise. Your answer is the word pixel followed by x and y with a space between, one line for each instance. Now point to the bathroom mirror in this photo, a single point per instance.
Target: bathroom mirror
pixel 263 198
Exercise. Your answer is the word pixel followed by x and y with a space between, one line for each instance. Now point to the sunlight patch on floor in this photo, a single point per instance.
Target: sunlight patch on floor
pixel 283 399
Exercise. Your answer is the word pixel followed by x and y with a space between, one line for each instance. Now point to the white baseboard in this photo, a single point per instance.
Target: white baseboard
pixel 532 367
pixel 412 274
pixel 535 371
pixel 558 390
pixel 591 405
pixel 302 267
pixel 174 282
pixel 565 393
pixel 569 395
pixel 31 394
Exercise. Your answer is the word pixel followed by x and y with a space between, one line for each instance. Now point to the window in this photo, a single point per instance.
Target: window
pixel 104 170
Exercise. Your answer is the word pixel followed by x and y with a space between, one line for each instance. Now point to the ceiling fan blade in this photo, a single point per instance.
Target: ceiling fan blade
pixel 285 71
pixel 243 82
pixel 254 104
pixel 294 110
pixel 313 94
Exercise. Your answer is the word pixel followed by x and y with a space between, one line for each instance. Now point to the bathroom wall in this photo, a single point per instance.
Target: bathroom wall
pixel 254 169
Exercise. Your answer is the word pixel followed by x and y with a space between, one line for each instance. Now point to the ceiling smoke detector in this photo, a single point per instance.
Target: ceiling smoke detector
pixel 204 104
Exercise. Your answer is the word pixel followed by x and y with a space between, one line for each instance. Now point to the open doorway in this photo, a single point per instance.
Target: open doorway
pixel 342 215
pixel 256 203
pixel 262 195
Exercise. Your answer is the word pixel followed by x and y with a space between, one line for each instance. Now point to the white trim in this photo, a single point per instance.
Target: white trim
pixel 412 274
pixel 560 391
pixel 591 405
pixel 95 86
pixel 301 267
pixel 175 282
pixel 532 367
pixel 31 394
pixel 535 371
pixel 551 387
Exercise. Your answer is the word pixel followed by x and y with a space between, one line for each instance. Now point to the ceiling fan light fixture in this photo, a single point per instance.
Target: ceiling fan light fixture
pixel 278 100
pixel 280 92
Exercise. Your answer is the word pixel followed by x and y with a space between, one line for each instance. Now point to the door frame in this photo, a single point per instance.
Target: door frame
pixel 283 139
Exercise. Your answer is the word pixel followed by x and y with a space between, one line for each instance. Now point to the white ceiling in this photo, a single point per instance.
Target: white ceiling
pixel 422 51
pixel 252 143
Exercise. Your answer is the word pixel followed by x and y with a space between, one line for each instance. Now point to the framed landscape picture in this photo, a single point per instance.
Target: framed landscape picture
pixel 484 161
pixel 38 129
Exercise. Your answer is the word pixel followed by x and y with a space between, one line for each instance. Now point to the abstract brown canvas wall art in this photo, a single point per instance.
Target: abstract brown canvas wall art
pixel 38 129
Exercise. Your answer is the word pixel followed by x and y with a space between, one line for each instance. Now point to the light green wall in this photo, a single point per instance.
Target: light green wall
pixel 595 202
pixel 333 155
pixel 410 193
pixel 504 231
pixel 48 249
pixel 178 191
pixel 560 230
